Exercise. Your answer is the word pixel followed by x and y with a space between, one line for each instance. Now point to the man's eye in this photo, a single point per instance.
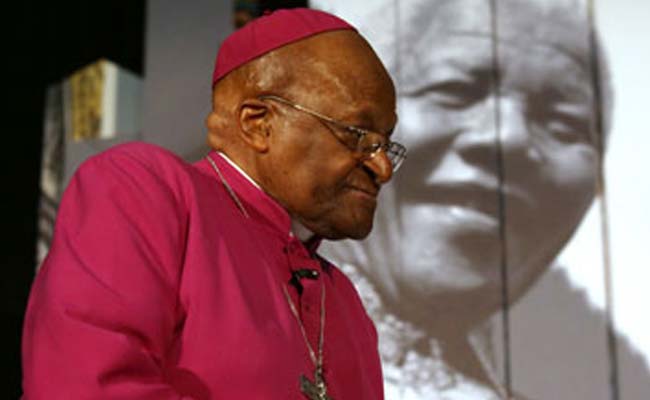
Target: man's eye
pixel 567 124
pixel 562 113
pixel 349 136
pixel 569 128
pixel 454 94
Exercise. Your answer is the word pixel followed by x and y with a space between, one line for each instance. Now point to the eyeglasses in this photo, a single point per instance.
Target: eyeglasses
pixel 359 140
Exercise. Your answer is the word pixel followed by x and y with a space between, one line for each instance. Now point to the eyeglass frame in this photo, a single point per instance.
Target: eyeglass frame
pixel 360 133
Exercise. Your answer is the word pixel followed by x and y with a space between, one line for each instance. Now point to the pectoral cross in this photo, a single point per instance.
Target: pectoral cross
pixel 315 390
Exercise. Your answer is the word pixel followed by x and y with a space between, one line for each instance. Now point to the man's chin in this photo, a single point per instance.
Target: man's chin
pixel 358 234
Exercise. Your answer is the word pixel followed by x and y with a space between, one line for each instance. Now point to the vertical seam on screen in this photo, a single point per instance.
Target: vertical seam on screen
pixel 604 211
pixel 398 64
pixel 505 294
pixel 398 70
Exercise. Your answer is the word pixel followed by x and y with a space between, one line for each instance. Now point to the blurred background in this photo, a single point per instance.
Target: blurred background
pixel 47 41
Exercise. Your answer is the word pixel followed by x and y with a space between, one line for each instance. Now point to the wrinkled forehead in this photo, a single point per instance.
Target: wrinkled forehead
pixel 341 61
pixel 557 23
pixel 412 26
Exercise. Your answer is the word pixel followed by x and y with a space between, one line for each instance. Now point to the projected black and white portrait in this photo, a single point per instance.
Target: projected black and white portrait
pixel 497 108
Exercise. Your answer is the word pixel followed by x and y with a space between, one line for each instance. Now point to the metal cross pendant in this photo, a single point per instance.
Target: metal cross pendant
pixel 314 390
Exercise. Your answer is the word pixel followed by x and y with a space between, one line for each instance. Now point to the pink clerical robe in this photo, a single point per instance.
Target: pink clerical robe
pixel 158 287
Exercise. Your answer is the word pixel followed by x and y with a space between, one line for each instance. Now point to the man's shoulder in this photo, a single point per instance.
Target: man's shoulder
pixel 135 169
pixel 145 154
pixel 144 162
pixel 139 167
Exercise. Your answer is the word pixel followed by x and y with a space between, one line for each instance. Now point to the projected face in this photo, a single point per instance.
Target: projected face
pixel 502 160
pixel 448 190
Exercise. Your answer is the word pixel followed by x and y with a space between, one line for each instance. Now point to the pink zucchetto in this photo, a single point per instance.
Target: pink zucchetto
pixel 269 32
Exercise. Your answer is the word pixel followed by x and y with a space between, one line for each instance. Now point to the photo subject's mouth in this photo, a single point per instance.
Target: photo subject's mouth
pixel 476 196
pixel 480 198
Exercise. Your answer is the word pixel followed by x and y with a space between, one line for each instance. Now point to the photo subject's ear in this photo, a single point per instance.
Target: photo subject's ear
pixel 253 117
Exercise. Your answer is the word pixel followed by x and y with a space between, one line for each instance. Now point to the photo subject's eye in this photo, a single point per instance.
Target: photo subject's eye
pixel 564 123
pixel 568 129
pixel 454 94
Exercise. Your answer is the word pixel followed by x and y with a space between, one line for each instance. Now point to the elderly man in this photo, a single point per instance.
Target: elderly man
pixel 175 281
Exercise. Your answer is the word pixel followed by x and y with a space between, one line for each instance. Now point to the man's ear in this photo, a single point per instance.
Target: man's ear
pixel 254 124
pixel 215 131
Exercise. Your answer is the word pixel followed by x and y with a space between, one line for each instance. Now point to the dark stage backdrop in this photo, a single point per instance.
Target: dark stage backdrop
pixel 44 42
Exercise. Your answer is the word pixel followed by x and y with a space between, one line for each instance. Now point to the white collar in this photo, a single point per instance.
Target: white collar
pixel 297 228
pixel 238 168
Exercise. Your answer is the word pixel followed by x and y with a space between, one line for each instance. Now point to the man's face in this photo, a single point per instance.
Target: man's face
pixel 317 178
pixel 449 187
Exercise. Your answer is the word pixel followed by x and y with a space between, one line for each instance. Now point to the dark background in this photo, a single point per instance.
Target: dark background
pixel 46 42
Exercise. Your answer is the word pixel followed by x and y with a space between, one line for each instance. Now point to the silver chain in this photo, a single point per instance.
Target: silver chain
pixel 317 359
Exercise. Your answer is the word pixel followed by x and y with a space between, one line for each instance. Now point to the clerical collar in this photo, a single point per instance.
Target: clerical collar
pixel 301 231
pixel 238 169
pixel 297 229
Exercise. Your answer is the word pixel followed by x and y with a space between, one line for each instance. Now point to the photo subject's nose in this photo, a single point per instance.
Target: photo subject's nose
pixel 477 145
pixel 514 125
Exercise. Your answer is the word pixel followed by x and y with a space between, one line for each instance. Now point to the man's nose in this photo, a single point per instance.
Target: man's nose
pixel 514 128
pixel 381 166
pixel 504 123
